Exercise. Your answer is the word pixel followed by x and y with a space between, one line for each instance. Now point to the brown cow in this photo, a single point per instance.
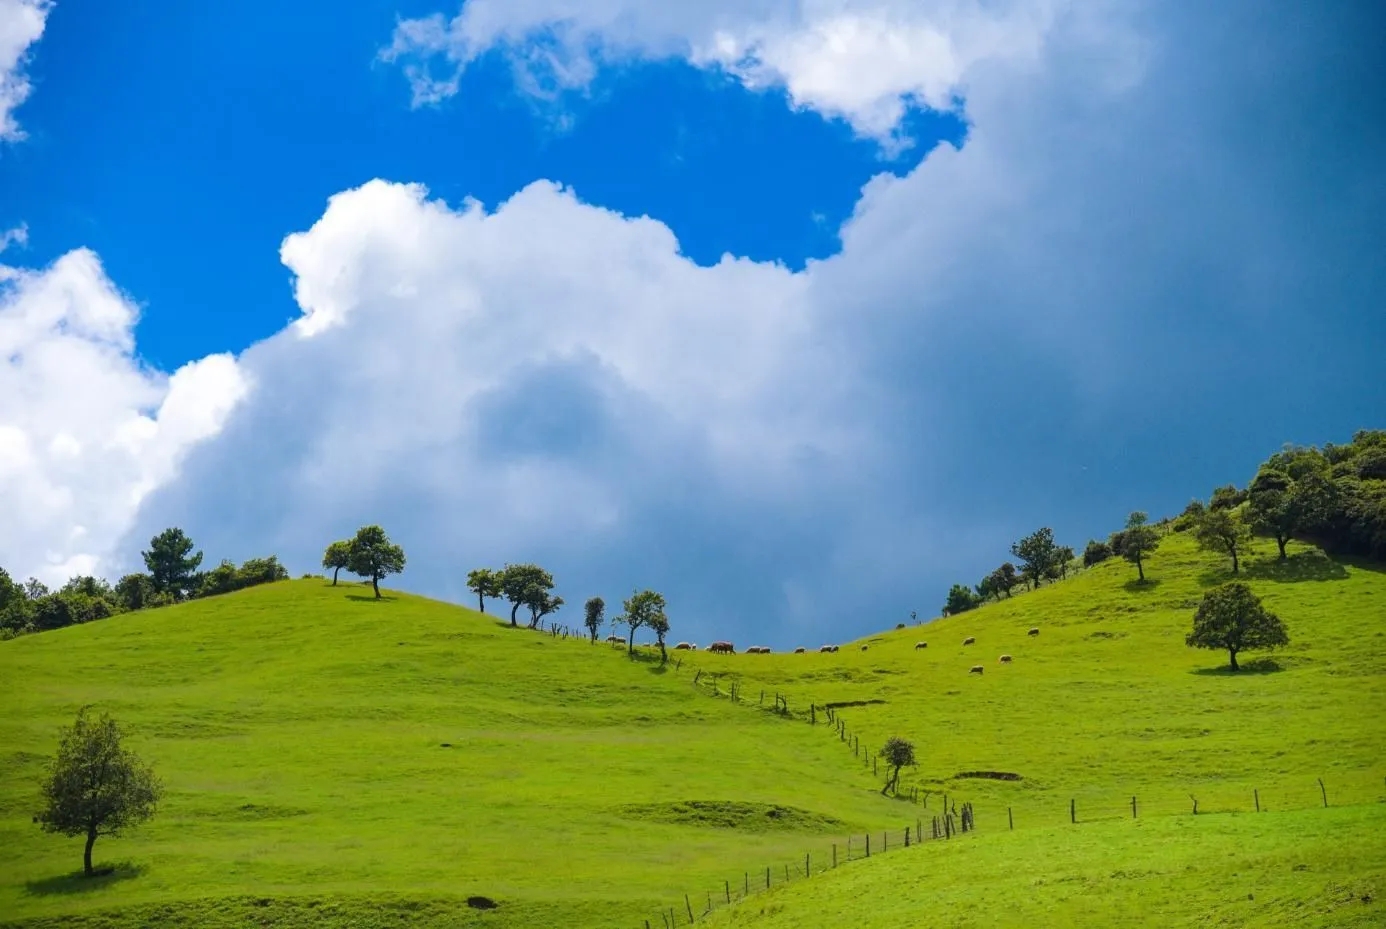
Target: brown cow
pixel 919 645
pixel 682 647
pixel 969 640
pixel 722 647
pixel 1005 659
pixel 976 669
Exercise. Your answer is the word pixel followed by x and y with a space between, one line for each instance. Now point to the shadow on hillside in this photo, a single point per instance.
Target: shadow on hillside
pixel 1139 586
pixel 1303 566
pixel 79 883
pixel 1255 666
pixel 371 598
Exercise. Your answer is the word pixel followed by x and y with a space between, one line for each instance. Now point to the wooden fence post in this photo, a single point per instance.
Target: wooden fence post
pixel 1256 795
pixel 1133 807
pixel 767 878
pixel 807 872
pixel 727 887
pixel 868 845
pixel 747 891
pixel 1195 802
pixel 834 854
pixel 1073 811
pixel 1010 819
pixel 907 837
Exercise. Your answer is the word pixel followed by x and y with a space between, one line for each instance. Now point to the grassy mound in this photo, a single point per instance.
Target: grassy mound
pixel 318 743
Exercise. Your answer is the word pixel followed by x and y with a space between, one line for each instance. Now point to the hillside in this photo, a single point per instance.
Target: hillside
pixel 315 742
pixel 1107 701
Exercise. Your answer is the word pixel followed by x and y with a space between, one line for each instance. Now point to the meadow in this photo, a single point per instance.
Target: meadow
pixel 331 760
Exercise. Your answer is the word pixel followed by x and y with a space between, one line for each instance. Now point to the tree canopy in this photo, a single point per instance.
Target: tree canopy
pixel 1219 530
pixel 594 615
pixel 898 753
pixel 337 557
pixel 172 564
pixel 525 585
pixel 484 582
pixel 95 786
pixel 372 555
pixel 1038 555
pixel 1231 617
pixel 1139 539
pixel 645 608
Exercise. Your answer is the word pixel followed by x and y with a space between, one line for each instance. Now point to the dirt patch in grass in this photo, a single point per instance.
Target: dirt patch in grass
pixel 989 775
pixel 731 814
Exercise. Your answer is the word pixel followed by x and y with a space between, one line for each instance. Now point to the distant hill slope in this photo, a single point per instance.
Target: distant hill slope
pixel 318 745
pixel 1107 701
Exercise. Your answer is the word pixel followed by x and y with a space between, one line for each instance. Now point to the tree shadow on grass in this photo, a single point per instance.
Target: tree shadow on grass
pixel 1248 668
pixel 1139 586
pixel 1302 566
pixel 79 883
pixel 371 598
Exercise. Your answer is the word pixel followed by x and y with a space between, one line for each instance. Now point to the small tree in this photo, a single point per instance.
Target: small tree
pixel 1217 530
pixel 645 608
pixel 1006 578
pixel 898 753
pixel 484 582
pixel 595 610
pixel 1037 553
pixel 1139 540
pixel 95 786
pixel 373 555
pixel 960 600
pixel 518 583
pixel 1096 553
pixel 541 603
pixel 1063 557
pixel 172 563
pixel 337 557
pixel 1232 617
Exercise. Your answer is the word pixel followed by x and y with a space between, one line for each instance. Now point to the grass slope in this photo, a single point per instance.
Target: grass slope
pixel 300 731
pixel 1308 868
pixel 1107 702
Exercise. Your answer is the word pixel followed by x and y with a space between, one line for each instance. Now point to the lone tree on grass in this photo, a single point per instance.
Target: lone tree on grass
pixel 1217 530
pixel 484 582
pixel 898 753
pixel 1232 617
pixel 645 608
pixel 595 610
pixel 337 557
pixel 1038 554
pixel 1139 539
pixel 521 585
pixel 95 786
pixel 373 555
pixel 172 563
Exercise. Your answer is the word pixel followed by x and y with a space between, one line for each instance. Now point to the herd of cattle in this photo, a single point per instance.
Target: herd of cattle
pixel 727 648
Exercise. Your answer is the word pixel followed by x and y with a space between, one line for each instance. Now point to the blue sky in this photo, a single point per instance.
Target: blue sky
pixel 1125 253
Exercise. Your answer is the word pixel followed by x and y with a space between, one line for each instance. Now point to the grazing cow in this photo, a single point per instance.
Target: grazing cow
pixel 834 648
pixel 919 645
pixel 827 648
pixel 1034 631
pixel 969 640
pixel 976 669
pixel 799 650
pixel 682 647
pixel 1005 659
pixel 722 648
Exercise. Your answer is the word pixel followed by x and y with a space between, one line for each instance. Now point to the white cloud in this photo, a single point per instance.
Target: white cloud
pixel 21 25
pixel 861 61
pixel 85 430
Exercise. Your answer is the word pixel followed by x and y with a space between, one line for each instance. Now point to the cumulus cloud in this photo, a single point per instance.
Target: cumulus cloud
pixel 21 25
pixel 863 62
pixel 86 431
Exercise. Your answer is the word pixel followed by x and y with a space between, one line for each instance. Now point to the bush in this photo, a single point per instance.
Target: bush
pixel 1096 553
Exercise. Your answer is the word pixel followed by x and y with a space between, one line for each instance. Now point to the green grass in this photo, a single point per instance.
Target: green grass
pixel 1311 868
pixel 300 730
pixel 1108 702
pixel 335 761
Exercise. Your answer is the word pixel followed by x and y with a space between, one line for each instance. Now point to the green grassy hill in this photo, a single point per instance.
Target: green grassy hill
pixel 316 743
pixel 332 760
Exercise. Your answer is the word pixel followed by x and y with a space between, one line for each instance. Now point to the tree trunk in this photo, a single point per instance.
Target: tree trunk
pixel 375 585
pixel 513 610
pixel 1234 559
pixel 630 648
pixel 663 655
pixel 86 855
pixel 334 576
pixel 1281 540
pixel 1233 653
pixel 481 602
pixel 1140 569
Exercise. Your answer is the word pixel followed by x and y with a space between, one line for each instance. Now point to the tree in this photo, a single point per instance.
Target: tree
pixel 519 582
pixel 898 753
pixel 541 603
pixel 960 600
pixel 595 610
pixel 645 608
pixel 484 582
pixel 1220 531
pixel 337 557
pixel 1232 617
pixel 172 563
pixel 95 786
pixel 137 591
pixel 986 589
pixel 373 555
pixel 1063 557
pixel 1227 498
pixel 1139 539
pixel 1096 553
pixel 1037 553
pixel 1006 578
